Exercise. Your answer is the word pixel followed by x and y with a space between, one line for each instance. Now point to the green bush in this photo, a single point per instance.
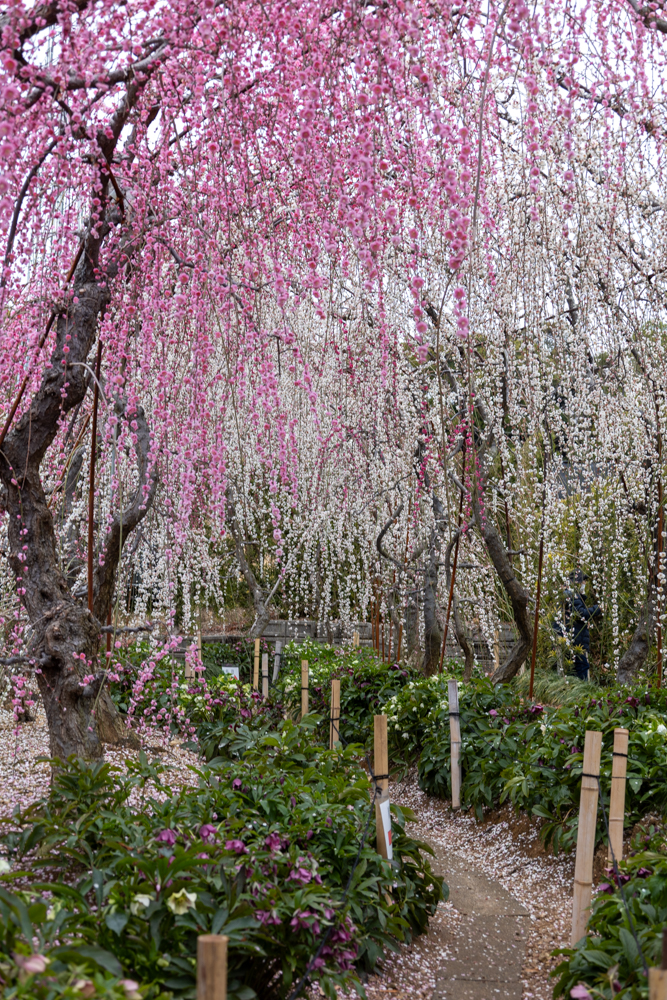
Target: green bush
pixel 532 755
pixel 261 850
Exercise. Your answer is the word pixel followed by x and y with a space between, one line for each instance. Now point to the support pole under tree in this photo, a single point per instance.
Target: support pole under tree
pixel 657 978
pixel 455 737
pixel 265 675
pixel 277 659
pixel 255 673
pixel 536 621
pixel 381 771
pixel 617 798
pixel 91 483
pixel 588 810
pixel 355 640
pixel 304 688
pixel 451 582
pixel 212 967
pixel 334 721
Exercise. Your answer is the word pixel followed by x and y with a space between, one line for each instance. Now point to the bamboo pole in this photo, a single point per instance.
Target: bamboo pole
pixel 455 737
pixel 617 798
pixel 212 967
pixel 400 636
pixel 588 809
pixel 496 649
pixel 380 752
pixel 304 688
pixel 381 771
pixel 657 978
pixel 265 675
pixel 255 673
pixel 334 720
pixel 355 640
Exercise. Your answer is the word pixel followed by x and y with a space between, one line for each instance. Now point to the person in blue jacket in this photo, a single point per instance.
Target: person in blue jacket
pixel 576 616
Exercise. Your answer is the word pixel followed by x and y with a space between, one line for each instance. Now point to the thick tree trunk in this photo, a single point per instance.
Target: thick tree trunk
pixel 634 657
pixel 65 635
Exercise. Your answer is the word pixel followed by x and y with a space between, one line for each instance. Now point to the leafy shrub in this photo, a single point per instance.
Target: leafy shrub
pixel 607 960
pixel 366 685
pixel 43 958
pixel 260 851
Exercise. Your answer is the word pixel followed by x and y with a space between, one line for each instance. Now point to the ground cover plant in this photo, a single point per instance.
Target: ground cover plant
pixel 530 754
pixel 261 850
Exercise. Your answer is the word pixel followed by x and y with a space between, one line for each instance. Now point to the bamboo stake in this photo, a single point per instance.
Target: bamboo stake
pixel 381 770
pixel 496 649
pixel 334 721
pixel 255 673
pixel 455 737
pixel 400 636
pixel 451 583
pixel 657 978
pixel 617 798
pixel 265 675
pixel 304 688
pixel 355 640
pixel 212 967
pixel 588 809
pixel 380 752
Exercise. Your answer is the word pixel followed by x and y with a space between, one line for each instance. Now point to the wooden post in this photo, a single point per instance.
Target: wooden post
pixel 455 737
pixel 355 640
pixel 588 810
pixel 304 688
pixel 265 675
pixel 617 798
pixel 212 967
pixel 277 660
pixel 255 673
pixel 657 978
pixel 381 771
pixel 496 649
pixel 400 636
pixel 334 721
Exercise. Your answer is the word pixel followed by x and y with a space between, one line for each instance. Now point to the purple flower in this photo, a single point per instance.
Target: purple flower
pixel 236 783
pixel 616 986
pixel 579 992
pixel 329 821
pixel 301 875
pixel 310 835
pixel 493 713
pixel 266 917
pixel 292 802
pixel 273 842
pixel 207 832
pixel 536 709
pixel 644 873
pixel 167 837
pixel 237 846
pixel 506 721
pixel 605 887
pixel 632 701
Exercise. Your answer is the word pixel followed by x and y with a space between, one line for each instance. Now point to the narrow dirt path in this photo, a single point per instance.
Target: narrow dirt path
pixel 509 907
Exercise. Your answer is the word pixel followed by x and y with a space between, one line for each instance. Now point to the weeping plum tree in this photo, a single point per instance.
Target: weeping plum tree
pixel 178 180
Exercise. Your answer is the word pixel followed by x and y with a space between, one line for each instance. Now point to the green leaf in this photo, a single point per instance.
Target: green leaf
pixel 117 921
